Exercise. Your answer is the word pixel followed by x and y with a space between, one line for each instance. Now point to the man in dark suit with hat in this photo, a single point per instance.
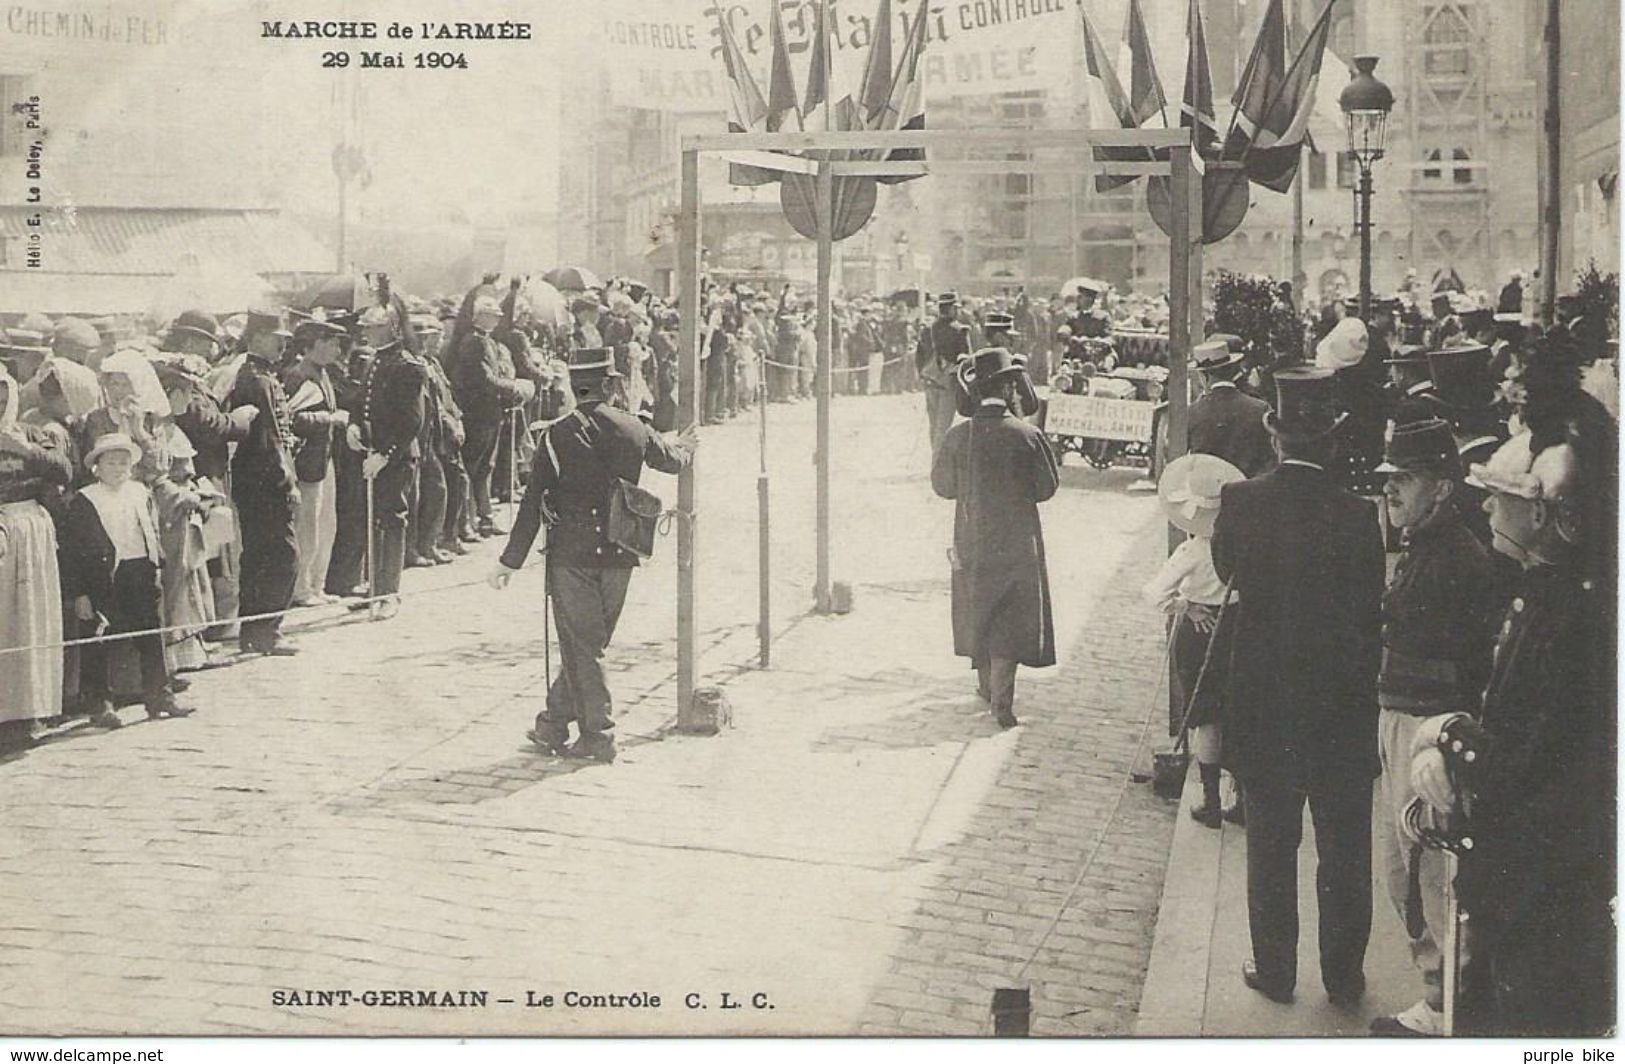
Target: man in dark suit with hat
pixel 1463 394
pixel 1227 422
pixel 264 487
pixel 578 466
pixel 486 390
pixel 1306 559
pixel 997 468
pixel 1409 384
pixel 939 349
pixel 1436 615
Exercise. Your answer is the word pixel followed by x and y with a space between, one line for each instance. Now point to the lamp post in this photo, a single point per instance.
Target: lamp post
pixel 1365 103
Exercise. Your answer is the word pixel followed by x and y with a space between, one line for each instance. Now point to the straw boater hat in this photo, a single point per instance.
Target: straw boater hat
pixel 588 364
pixel 1188 491
pixel 113 441
pixel 1214 353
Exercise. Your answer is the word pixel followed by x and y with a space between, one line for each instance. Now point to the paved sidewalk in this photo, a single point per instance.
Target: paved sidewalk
pixel 1194 984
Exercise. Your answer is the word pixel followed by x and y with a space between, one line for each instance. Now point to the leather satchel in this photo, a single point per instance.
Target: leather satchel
pixel 633 515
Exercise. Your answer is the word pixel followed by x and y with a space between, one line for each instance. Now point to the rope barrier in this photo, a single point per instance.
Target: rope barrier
pixel 352 604
pixel 836 369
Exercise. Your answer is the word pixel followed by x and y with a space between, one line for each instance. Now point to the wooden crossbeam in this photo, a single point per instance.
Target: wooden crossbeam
pixel 997 167
pixel 930 138
pixel 772 160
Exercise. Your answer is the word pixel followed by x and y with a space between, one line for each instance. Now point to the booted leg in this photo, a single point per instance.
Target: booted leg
pixel 1002 688
pixel 1207 814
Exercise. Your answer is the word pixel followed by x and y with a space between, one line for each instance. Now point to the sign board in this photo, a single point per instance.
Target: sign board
pixel 1097 418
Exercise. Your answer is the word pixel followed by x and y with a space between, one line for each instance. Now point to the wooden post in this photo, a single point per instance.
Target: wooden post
pixel 764 538
pixel 1551 160
pixel 688 415
pixel 825 375
pixel 1184 280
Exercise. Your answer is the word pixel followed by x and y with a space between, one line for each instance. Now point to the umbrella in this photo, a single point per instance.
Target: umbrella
pixel 336 291
pixel 909 297
pixel 573 279
pixel 1072 287
pixel 547 304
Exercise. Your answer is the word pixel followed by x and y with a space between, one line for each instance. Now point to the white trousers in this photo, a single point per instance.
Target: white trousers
pixel 1396 735
pixel 317 522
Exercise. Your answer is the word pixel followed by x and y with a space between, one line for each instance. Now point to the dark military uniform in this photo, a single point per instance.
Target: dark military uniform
pixel 1539 882
pixel 575 471
pixel 265 491
pixel 392 411
pixel 350 486
pixel 935 356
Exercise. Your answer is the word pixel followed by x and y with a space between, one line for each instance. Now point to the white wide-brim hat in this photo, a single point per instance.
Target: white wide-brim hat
pixel 113 441
pixel 1190 486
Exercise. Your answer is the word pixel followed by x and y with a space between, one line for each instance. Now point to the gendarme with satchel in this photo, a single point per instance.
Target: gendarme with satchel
pixel 598 516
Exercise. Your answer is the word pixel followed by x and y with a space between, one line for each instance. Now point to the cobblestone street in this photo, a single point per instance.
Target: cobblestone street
pixel 864 848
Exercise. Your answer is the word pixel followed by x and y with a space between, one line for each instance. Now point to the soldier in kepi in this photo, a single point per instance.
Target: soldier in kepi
pixel 581 463
pixel 939 350
pixel 997 468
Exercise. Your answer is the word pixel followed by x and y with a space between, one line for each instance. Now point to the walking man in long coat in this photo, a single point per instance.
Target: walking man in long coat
pixel 997 468
pixel 936 355
pixel 1306 559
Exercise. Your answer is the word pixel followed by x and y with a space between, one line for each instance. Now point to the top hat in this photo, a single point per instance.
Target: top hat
pixel 1407 354
pixel 1305 404
pixel 1427 444
pixel 113 441
pixel 587 363
pixel 265 321
pixel 1214 353
pixel 1189 488
pixel 198 322
pixel 1461 377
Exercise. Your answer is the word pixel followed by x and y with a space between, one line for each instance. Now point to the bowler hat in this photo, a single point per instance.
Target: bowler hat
pixel 75 332
pixel 588 363
pixel 1461 377
pixel 991 363
pixel 1305 404
pixel 947 299
pixel 198 322
pixel 1421 445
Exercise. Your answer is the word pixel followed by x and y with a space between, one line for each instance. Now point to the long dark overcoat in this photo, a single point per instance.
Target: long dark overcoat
pixel 1307 561
pixel 997 469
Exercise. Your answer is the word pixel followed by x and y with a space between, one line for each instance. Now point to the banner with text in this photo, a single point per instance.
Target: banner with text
pixel 664 54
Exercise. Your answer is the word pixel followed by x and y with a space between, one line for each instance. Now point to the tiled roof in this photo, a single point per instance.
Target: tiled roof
pixel 139 241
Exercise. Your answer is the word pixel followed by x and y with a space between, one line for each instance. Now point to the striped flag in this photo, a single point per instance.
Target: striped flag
pixel 905 103
pixel 1276 148
pixel 818 72
pixel 1260 82
pixel 747 109
pixel 1145 88
pixel 1099 66
pixel 1196 111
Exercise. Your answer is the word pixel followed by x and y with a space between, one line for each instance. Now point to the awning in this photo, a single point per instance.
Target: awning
pixel 115 260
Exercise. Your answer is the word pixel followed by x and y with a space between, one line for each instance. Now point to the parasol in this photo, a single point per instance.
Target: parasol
pixel 547 304
pixel 573 279
pixel 1077 284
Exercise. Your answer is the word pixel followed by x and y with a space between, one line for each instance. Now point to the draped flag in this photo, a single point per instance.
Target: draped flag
pixel 1196 111
pixel 905 103
pixel 877 69
pixel 1145 88
pixel 1099 66
pixel 781 86
pixel 1275 148
pixel 1260 82
pixel 747 108
pixel 818 73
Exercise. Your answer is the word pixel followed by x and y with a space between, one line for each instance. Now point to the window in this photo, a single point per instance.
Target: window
pixel 1432 173
pixel 1447 42
pixel 1317 169
pixel 1461 174
pixel 1345 170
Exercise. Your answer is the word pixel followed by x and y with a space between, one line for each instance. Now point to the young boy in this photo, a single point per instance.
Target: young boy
pixel 110 551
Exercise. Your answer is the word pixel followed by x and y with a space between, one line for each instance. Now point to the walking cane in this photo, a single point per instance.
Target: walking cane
pixel 372 554
pixel 513 464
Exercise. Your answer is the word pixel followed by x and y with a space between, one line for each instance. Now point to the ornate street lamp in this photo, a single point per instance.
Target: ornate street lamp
pixel 1365 103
